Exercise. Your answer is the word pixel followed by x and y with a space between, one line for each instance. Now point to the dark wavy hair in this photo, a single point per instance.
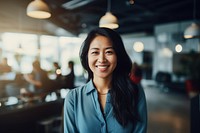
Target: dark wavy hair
pixel 123 92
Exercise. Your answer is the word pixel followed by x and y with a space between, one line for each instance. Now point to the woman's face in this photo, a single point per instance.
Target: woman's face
pixel 102 58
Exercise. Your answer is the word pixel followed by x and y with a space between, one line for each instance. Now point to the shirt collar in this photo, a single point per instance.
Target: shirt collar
pixel 90 87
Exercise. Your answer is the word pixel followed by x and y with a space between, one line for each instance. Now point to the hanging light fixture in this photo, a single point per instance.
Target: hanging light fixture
pixel 38 9
pixel 179 47
pixel 193 31
pixel 109 20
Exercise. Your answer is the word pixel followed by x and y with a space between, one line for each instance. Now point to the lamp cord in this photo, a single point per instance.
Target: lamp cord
pixel 109 6
pixel 194 11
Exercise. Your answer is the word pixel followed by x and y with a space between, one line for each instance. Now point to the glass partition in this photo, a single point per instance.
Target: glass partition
pixel 20 49
pixel 69 50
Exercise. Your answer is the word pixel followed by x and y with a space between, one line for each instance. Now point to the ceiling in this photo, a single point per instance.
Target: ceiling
pixel 80 16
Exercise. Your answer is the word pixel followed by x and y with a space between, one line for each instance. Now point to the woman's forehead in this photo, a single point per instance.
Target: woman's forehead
pixel 101 41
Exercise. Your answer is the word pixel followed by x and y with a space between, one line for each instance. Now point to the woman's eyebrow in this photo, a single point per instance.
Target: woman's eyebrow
pixel 109 47
pixel 94 48
pixel 98 48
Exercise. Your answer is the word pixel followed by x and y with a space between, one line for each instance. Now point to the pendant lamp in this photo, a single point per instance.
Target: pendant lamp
pixel 193 31
pixel 38 9
pixel 109 20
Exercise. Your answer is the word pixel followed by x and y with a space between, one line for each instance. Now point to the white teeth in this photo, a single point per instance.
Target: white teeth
pixel 102 66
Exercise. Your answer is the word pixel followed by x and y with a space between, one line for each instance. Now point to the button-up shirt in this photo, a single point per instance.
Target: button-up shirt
pixel 82 113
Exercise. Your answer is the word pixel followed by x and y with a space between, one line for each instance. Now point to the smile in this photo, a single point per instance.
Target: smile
pixel 102 67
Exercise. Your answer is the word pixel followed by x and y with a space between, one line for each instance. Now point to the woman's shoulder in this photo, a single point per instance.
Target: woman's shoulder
pixel 77 91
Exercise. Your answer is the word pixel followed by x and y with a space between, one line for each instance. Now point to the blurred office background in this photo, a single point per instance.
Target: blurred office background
pixel 154 36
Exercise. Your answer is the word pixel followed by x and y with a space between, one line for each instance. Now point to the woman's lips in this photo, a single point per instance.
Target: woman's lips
pixel 102 67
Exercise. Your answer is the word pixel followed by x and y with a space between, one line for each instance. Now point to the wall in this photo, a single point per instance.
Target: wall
pixel 149 45
pixel 162 44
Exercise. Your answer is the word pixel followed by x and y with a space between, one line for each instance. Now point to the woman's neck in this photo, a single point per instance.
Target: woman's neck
pixel 102 85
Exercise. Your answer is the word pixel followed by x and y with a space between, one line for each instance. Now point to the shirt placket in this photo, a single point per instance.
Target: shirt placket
pixel 101 115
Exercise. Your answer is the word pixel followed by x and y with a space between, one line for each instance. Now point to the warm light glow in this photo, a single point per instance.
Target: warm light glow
pixel 178 48
pixel 131 2
pixel 38 9
pixel 138 46
pixel 193 31
pixel 58 71
pixel 39 14
pixel 109 21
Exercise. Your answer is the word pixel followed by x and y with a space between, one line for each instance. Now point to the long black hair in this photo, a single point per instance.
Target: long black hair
pixel 123 92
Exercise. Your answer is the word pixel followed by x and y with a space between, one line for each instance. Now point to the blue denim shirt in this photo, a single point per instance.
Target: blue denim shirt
pixel 82 113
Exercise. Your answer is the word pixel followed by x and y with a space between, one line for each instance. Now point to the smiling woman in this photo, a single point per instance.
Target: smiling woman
pixel 102 58
pixel 109 101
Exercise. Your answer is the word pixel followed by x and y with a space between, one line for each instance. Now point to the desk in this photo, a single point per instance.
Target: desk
pixel 22 118
pixel 10 86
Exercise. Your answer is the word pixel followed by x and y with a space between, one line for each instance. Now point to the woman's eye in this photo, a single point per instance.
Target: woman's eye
pixel 109 52
pixel 94 53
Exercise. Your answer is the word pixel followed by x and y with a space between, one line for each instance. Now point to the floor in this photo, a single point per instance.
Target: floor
pixel 168 111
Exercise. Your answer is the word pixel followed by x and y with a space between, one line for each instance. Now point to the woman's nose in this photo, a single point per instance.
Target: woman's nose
pixel 101 58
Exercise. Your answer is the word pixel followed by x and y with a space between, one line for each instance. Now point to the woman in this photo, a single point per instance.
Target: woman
pixel 109 102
